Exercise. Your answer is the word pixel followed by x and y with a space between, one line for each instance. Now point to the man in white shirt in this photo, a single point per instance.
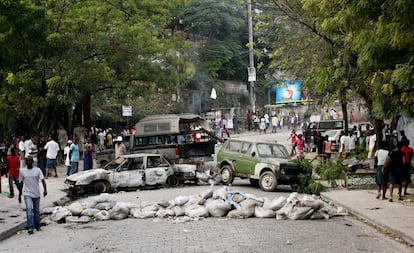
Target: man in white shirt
pixel 21 152
pixel 30 148
pixel 372 143
pixel 344 145
pixel 52 149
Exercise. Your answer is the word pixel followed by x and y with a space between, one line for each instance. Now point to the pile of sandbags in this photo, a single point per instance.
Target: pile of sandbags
pixel 222 202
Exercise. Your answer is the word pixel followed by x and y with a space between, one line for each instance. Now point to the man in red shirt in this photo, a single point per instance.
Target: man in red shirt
pixel 13 164
pixel 408 154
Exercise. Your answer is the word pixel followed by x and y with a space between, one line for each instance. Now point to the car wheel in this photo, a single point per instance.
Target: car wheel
pixel 100 187
pixel 254 182
pixel 226 174
pixel 268 181
pixel 173 180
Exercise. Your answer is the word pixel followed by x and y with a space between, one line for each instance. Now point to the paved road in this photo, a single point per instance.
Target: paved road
pixel 339 234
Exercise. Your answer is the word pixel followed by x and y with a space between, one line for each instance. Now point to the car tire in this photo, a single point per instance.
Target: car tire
pixel 268 181
pixel 254 182
pixel 226 174
pixel 173 180
pixel 100 187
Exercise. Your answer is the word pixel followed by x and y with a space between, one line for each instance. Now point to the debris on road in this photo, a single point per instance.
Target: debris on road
pixel 222 202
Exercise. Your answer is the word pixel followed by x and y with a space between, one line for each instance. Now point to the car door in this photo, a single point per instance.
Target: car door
pixel 246 162
pixel 157 170
pixel 129 174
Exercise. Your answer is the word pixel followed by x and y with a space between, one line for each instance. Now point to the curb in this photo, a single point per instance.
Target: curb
pixel 12 231
pixel 409 239
pixel 22 225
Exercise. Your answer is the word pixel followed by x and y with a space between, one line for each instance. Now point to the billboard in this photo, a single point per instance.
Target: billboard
pixel 291 91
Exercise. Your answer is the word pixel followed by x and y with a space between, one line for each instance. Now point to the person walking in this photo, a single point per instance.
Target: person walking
pixel 13 165
pixel 408 155
pixel 394 165
pixel 381 175
pixel 52 150
pixel 275 123
pixel 87 158
pixel 66 151
pixel 74 156
pixel 29 178
pixel 120 150
pixel 235 124
pixel 225 133
pixel 292 138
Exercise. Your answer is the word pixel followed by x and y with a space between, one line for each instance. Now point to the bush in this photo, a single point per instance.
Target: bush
pixel 305 183
pixel 331 171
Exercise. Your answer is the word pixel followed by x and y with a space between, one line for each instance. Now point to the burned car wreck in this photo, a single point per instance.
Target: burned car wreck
pixel 135 171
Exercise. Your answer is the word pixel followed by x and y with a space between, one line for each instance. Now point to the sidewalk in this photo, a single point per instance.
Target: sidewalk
pixel 13 214
pixel 395 217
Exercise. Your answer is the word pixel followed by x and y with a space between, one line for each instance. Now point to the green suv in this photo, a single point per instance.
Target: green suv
pixel 265 164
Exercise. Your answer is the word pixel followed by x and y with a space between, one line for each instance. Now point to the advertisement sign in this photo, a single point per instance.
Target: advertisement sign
pixel 126 111
pixel 291 92
pixel 251 71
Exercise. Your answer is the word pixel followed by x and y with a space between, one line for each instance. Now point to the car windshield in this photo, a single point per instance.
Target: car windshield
pixel 112 165
pixel 330 133
pixel 272 150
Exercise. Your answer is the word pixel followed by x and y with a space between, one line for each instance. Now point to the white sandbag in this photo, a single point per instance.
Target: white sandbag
pixel 237 197
pixel 105 205
pixel 154 207
pixel 163 203
pixel 76 219
pixel 195 200
pixel 181 200
pixel 89 212
pixel 293 197
pixel 144 214
pixel 261 212
pixel 319 215
pixel 196 211
pixel 46 221
pixel 102 215
pixel 103 197
pixel 121 207
pixel 247 207
pixel 300 213
pixel 76 208
pixel 282 213
pixel 49 210
pixel 118 215
pixel 182 219
pixel 220 193
pixel 206 194
pixel 178 210
pixel 218 208
pixel 134 209
pixel 235 214
pixel 274 204
pixel 59 214
pixel 164 213
pixel 315 204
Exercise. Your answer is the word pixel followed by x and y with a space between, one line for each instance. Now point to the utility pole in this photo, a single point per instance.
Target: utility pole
pixel 251 55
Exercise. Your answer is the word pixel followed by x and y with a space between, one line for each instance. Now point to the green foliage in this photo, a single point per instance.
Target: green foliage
pixel 331 171
pixel 305 183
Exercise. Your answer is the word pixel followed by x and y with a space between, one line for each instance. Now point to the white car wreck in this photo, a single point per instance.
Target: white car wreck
pixel 136 170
